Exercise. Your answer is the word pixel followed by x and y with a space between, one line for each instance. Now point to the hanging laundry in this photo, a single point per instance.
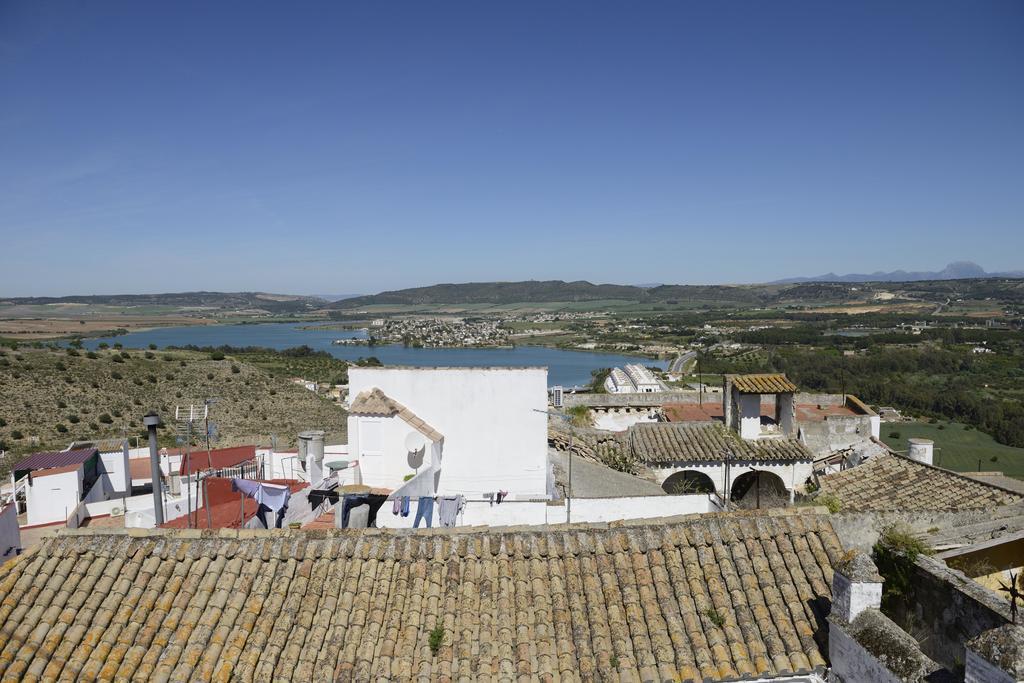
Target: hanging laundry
pixel 396 507
pixel 405 506
pixel 490 498
pixel 449 509
pixel 424 511
pixel 268 497
pixel 501 496
pixel 354 500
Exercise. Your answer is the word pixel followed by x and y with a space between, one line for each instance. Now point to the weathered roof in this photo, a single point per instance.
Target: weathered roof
pixel 762 384
pixel 892 482
pixel 374 402
pixel 216 458
pixel 711 598
pixel 671 442
pixel 47 459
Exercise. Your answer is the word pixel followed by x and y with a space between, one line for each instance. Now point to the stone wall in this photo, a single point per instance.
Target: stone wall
pixel 950 608
pixel 873 648
pixel 649 399
pixel 860 530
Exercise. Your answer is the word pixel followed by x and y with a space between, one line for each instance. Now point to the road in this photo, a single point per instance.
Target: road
pixel 680 362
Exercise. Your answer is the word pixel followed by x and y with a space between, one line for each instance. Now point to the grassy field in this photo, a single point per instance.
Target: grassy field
pixel 959 449
pixel 52 398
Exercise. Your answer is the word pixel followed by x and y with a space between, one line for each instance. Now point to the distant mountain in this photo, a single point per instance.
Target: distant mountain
pixel 959 270
pixel 232 301
pixel 546 291
pixel 497 293
pixel 335 297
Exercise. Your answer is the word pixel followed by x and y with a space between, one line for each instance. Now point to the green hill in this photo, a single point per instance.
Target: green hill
pixel 52 398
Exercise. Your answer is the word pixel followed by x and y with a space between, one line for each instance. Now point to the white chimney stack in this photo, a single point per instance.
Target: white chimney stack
pixel 921 450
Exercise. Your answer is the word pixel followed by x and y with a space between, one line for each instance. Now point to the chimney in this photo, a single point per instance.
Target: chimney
pixel 921 450
pixel 996 656
pixel 311 449
pixel 856 586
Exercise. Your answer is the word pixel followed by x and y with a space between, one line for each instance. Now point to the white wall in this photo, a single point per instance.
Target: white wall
pixel 115 472
pixel 793 474
pixel 51 498
pixel 537 512
pixel 750 415
pixel 494 436
pixel 618 420
pixel 10 535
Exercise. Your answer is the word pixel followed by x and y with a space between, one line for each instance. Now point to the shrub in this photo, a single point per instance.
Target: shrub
pixel 894 554
pixel 94 427
pixel 217 355
pixel 151 379
pixel 125 354
pixel 74 419
pixel 235 369
pixel 436 639
pixel 117 359
pixel 92 355
pixel 118 345
pixel 830 501
pixel 115 375
pixel 16 435
pixel 152 347
pixel 3 422
pixel 61 429
pixel 168 357
pixel 209 375
pixel 95 385
pixel 149 355
pixel 60 366
pixel 894 435
pixel 117 413
pixel 71 352
pixel 181 363
pixel 714 617
pixel 61 405
pixel 105 418
pixel 104 345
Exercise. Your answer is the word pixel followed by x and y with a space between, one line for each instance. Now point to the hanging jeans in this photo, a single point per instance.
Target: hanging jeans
pixel 349 502
pixel 424 511
pixel 261 514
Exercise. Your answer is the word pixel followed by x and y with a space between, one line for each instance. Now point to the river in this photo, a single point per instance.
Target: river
pixel 567 368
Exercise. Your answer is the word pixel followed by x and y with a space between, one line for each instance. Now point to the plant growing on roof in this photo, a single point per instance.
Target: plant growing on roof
pixel 436 638
pixel 894 554
pixel 714 617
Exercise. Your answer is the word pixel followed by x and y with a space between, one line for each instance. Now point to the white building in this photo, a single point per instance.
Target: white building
pixel 450 431
pixel 633 379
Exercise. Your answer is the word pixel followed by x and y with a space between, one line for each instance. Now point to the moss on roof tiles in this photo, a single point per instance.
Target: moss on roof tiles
pixel 892 482
pixel 763 384
pixel 663 442
pixel 293 605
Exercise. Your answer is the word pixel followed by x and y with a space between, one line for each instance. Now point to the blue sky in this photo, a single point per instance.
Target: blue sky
pixel 355 147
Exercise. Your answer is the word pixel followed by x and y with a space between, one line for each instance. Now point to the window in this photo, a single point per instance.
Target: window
pixel 371 440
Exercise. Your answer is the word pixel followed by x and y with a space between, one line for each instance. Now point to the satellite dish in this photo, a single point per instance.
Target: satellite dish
pixel 415 442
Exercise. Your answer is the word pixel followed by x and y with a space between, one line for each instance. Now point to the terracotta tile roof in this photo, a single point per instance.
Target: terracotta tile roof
pixel 47 459
pixel 762 384
pixel 375 402
pixel 672 442
pixel 892 482
pixel 218 458
pixel 715 598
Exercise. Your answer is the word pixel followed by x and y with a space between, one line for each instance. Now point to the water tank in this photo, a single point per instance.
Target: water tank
pixel 921 450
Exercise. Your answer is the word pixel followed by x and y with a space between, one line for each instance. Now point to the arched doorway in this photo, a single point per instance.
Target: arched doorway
pixel 759 489
pixel 688 481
